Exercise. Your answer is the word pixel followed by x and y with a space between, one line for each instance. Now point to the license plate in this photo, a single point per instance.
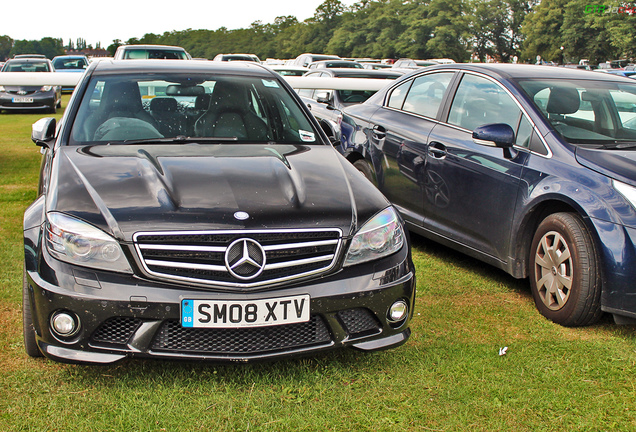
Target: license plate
pixel 245 313
pixel 22 100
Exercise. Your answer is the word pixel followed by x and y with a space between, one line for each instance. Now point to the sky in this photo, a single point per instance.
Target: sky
pixel 118 19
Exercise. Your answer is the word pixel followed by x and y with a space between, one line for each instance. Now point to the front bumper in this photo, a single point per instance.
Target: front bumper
pixel 40 102
pixel 125 316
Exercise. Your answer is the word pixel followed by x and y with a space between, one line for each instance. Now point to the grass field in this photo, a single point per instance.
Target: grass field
pixel 448 377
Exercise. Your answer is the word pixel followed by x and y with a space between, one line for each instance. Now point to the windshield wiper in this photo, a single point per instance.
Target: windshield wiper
pixel 625 145
pixel 181 139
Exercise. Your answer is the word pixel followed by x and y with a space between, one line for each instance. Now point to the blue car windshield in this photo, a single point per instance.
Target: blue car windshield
pixel 586 111
pixel 188 107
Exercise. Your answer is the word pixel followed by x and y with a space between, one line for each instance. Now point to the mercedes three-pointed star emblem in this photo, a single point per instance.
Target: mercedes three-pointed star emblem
pixel 245 259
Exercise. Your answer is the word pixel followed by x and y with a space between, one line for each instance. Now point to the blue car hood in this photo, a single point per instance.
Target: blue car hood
pixel 616 164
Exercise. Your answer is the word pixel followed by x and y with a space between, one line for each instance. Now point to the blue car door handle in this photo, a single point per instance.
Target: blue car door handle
pixel 437 150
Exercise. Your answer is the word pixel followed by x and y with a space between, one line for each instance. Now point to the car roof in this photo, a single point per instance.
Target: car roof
pixel 151 47
pixel 517 71
pixel 111 66
pixel 28 60
pixel 70 56
pixel 359 73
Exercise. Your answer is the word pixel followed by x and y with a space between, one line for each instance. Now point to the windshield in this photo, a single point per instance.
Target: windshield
pixel 188 107
pixel 142 53
pixel 70 63
pixel 26 67
pixel 587 111
pixel 350 97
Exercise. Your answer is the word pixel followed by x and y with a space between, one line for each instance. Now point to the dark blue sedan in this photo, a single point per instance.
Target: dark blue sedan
pixel 529 168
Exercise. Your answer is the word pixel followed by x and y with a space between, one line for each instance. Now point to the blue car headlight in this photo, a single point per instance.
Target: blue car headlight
pixel 629 192
pixel 77 242
pixel 381 236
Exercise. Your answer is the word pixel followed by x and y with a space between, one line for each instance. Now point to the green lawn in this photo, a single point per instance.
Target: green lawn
pixel 448 377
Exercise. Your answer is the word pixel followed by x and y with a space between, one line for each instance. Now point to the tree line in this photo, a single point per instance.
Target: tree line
pixel 463 30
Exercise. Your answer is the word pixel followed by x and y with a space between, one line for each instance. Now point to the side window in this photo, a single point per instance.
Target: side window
pixel 426 94
pixel 524 133
pixel 396 99
pixel 625 103
pixel 479 101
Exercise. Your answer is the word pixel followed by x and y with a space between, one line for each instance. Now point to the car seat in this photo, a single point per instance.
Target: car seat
pixel 120 99
pixel 165 111
pixel 229 115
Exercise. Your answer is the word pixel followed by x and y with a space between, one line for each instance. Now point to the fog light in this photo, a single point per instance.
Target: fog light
pixel 398 311
pixel 64 324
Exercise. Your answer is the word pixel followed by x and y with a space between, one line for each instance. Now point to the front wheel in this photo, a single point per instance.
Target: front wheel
pixel 565 277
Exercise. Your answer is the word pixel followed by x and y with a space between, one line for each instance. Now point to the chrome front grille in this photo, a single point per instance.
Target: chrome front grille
pixel 238 258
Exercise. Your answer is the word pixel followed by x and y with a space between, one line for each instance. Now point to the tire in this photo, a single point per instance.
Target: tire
pixel 564 272
pixel 364 167
pixel 30 344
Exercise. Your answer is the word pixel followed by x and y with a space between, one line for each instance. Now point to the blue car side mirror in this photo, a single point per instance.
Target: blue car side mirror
pixel 494 135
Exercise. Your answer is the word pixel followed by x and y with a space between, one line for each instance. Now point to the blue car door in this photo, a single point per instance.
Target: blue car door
pixel 471 189
pixel 398 133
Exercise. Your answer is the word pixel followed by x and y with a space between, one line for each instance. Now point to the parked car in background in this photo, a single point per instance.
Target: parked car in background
pixel 233 233
pixel 323 64
pixel 70 63
pixel 405 63
pixel 304 60
pixel 327 104
pixel 22 56
pixel 29 98
pixel 529 168
pixel 285 70
pixel 138 52
pixel 237 57
pixel 625 73
pixel 379 66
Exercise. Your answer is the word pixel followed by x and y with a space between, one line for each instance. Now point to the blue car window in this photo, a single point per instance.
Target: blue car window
pixel 396 99
pixel 524 133
pixel 426 94
pixel 479 101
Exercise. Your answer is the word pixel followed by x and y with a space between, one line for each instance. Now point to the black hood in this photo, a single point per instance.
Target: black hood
pixel 124 189
pixel 616 164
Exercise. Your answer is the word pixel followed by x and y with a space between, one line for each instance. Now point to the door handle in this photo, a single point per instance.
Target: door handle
pixel 437 150
pixel 379 132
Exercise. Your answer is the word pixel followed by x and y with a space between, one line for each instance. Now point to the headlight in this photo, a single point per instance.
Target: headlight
pixel 629 192
pixel 381 236
pixel 46 88
pixel 74 241
pixel 2 88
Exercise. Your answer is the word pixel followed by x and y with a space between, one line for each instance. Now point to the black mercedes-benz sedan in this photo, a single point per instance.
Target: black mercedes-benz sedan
pixel 197 211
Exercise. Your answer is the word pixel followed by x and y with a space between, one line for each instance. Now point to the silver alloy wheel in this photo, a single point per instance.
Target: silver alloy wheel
pixel 553 270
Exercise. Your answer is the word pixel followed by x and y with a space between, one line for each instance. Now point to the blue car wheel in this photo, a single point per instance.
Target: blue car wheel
pixel 564 272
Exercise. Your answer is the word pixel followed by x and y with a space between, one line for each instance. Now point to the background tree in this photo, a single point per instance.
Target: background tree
pixel 501 29
pixel 584 35
pixel 50 47
pixel 6 43
pixel 542 29
pixel 449 24
pixel 496 28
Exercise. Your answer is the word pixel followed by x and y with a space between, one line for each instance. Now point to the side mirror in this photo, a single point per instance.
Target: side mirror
pixel 494 135
pixel 323 97
pixel 43 131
